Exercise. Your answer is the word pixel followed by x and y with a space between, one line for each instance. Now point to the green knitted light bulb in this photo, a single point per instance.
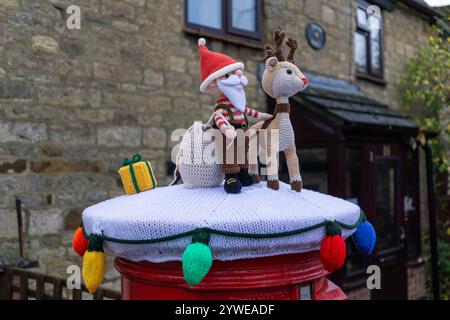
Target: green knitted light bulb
pixel 197 260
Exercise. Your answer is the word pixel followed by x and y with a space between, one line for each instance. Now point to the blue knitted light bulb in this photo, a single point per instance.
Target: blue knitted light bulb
pixel 365 238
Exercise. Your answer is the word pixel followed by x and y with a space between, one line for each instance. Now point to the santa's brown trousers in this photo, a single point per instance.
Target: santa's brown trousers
pixel 234 154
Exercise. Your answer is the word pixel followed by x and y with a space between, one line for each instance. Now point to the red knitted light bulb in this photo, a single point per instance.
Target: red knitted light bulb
pixel 79 242
pixel 333 252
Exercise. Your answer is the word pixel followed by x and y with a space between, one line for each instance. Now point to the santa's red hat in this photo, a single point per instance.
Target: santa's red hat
pixel 214 65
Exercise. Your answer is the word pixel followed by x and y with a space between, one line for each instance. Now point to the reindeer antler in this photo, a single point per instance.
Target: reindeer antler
pixel 278 39
pixel 276 51
pixel 270 52
pixel 292 44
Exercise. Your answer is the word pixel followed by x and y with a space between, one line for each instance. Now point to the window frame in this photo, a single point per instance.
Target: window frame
pixel 413 217
pixel 255 35
pixel 227 30
pixel 352 251
pixel 370 74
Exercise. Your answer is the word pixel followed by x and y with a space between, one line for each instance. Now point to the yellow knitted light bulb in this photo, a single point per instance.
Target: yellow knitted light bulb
pixel 94 263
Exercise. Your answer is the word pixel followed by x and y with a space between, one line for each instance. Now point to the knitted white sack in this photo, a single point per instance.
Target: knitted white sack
pixel 196 160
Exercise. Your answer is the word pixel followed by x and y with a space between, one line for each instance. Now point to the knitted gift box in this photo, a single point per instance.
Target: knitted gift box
pixel 137 175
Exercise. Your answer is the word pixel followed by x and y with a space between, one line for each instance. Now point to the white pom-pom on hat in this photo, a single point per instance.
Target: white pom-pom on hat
pixel 201 41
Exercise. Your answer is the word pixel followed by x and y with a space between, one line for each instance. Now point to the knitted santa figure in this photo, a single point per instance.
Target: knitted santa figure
pixel 224 77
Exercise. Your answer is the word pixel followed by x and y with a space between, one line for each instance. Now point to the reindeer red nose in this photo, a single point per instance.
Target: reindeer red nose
pixel 305 81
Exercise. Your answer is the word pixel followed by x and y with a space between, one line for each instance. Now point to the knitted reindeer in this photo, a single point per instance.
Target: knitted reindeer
pixel 281 80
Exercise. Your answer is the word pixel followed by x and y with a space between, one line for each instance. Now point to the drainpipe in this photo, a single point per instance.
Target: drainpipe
pixel 19 225
pixel 432 218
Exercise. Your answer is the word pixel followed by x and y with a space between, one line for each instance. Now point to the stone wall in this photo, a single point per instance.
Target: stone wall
pixel 74 103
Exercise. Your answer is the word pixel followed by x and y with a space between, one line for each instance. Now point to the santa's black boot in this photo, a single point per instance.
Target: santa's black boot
pixel 245 179
pixel 232 183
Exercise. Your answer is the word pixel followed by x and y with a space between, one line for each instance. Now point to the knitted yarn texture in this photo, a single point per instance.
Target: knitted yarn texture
pixel 365 238
pixel 79 242
pixel 197 260
pixel 94 264
pixel 198 166
pixel 168 211
pixel 214 65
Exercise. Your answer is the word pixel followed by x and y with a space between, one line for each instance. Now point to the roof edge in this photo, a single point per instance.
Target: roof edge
pixel 430 12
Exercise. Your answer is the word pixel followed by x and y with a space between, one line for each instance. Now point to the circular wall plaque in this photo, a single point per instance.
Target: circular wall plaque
pixel 316 35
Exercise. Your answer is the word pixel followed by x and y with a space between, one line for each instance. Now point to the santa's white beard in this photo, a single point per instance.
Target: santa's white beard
pixel 233 89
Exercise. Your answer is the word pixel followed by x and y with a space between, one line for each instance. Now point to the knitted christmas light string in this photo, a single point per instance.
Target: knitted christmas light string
pixel 231 233
pixel 197 258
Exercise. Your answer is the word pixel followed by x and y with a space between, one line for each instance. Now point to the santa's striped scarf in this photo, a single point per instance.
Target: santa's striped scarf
pixel 224 107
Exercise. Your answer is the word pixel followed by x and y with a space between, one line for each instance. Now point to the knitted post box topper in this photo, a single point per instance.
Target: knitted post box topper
pixel 131 228
pixel 281 80
pixel 137 175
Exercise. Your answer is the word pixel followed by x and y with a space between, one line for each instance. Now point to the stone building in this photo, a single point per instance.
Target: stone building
pixel 74 103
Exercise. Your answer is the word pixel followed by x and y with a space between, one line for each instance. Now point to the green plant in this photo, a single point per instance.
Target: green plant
pixel 426 91
pixel 426 85
pixel 444 267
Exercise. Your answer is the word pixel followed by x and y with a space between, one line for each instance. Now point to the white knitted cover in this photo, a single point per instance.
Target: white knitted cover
pixel 166 211
pixel 198 168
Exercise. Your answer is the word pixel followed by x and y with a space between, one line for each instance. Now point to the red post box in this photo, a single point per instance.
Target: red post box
pixel 284 277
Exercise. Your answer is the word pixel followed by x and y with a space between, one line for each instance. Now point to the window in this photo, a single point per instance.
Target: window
pixel 207 13
pixel 385 193
pixel 368 41
pixel 238 18
pixel 314 168
pixel 353 193
pixel 354 174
